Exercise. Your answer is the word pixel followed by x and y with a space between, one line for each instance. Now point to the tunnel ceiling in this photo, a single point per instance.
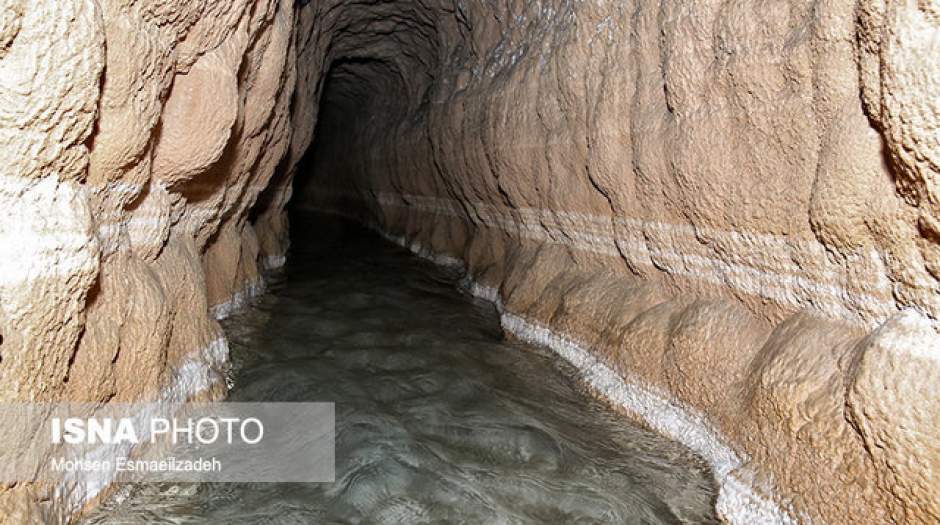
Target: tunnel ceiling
pixel 391 49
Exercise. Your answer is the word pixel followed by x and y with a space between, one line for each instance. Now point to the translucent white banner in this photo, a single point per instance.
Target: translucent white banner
pixel 186 442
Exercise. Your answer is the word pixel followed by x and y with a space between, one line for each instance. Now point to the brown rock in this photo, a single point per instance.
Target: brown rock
pixel 689 192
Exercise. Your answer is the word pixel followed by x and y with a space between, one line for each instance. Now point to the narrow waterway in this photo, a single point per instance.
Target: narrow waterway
pixel 439 418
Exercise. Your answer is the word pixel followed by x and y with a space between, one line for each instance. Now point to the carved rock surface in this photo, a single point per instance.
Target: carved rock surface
pixel 734 206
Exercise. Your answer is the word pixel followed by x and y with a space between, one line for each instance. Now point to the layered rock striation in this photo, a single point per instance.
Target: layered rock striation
pixel 725 214
pixel 135 140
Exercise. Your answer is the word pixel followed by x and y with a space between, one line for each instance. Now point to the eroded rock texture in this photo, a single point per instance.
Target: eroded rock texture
pixel 136 138
pixel 733 208
pixel 733 204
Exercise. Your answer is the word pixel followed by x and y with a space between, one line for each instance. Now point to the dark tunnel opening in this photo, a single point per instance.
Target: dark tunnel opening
pixel 381 71
pixel 362 102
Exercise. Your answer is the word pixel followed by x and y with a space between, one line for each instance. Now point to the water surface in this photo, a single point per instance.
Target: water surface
pixel 439 418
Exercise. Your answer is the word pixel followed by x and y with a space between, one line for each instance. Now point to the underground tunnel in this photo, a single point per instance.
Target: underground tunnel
pixel 476 261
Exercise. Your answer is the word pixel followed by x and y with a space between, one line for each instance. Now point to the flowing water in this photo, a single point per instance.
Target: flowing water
pixel 439 418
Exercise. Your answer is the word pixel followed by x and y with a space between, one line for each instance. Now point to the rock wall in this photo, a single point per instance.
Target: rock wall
pixel 135 140
pixel 725 213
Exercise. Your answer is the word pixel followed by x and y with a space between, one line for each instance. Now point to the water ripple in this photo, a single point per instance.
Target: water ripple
pixel 438 419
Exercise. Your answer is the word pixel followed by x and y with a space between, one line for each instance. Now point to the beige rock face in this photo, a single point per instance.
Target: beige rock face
pixel 727 214
pixel 732 205
pixel 135 137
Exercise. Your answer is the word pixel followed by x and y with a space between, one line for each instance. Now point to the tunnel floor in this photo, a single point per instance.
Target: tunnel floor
pixel 439 418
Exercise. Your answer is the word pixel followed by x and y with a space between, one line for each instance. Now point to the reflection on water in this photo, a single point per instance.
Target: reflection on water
pixel 438 418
